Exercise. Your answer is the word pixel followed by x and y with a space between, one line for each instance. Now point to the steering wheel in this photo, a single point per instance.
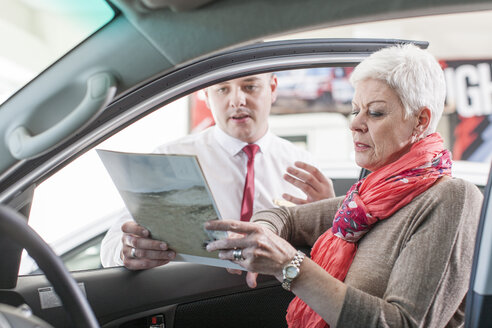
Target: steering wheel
pixel 15 226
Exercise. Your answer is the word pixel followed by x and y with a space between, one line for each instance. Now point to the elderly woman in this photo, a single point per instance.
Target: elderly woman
pixel 396 251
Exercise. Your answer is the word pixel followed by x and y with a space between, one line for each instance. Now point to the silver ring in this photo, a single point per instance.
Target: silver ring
pixel 238 255
pixel 132 253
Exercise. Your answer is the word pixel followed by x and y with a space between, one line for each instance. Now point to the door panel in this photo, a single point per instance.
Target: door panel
pixel 189 295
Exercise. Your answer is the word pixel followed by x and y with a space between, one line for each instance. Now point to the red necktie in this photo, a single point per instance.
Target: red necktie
pixel 249 185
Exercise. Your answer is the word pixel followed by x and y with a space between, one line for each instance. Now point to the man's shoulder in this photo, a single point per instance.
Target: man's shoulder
pixel 285 146
pixel 186 144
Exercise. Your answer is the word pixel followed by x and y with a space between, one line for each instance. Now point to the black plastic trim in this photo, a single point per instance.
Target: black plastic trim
pixel 475 310
pixel 478 316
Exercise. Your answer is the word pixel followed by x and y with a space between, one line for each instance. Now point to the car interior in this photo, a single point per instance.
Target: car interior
pixel 145 56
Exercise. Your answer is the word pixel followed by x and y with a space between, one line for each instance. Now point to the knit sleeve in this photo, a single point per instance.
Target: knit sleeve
pixel 300 225
pixel 430 277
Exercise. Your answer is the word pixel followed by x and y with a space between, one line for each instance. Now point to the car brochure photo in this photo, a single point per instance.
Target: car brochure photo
pixel 168 195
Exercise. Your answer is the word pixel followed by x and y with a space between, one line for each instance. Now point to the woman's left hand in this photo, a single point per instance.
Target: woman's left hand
pixel 262 250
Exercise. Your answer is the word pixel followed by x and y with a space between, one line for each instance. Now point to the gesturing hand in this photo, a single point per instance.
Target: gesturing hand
pixel 311 181
pixel 139 251
pixel 262 250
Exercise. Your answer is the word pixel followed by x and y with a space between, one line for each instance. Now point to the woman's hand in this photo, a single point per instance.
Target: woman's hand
pixel 311 181
pixel 139 251
pixel 262 250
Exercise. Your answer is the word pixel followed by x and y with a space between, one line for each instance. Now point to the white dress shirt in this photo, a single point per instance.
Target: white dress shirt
pixel 224 165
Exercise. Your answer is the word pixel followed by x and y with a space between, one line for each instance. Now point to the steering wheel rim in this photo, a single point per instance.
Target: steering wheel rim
pixel 15 226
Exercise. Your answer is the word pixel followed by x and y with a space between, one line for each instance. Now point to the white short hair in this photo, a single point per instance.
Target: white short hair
pixel 413 73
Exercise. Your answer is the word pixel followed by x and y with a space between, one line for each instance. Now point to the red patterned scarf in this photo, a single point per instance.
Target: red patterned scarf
pixel 368 201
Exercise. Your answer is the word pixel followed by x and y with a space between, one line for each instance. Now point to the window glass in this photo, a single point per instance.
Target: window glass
pixel 77 205
pixel 35 34
pixel 80 202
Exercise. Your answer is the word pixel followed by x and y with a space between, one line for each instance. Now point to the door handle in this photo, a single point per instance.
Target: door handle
pixel 101 89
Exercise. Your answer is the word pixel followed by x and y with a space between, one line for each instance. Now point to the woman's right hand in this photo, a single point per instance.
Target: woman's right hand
pixel 262 250
pixel 139 251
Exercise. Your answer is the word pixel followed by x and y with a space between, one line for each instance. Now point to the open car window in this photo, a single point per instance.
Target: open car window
pixel 74 208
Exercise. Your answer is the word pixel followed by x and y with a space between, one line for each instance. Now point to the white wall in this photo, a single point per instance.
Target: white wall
pixel 454 36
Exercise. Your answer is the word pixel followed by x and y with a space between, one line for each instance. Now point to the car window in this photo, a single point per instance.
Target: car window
pixel 74 208
pixel 80 202
pixel 48 29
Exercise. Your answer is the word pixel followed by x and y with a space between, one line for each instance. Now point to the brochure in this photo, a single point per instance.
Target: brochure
pixel 168 195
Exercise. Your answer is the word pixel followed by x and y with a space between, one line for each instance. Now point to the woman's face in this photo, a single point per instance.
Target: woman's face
pixel 380 131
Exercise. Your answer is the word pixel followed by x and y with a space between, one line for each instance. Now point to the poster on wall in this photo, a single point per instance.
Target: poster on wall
pixel 469 104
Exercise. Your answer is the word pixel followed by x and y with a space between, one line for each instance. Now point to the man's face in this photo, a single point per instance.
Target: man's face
pixel 241 106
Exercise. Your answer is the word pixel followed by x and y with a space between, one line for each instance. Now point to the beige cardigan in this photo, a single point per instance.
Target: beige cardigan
pixel 410 270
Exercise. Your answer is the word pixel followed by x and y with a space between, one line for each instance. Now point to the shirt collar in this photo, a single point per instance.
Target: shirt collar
pixel 234 146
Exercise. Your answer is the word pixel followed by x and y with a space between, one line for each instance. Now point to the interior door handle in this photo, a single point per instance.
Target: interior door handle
pixel 101 89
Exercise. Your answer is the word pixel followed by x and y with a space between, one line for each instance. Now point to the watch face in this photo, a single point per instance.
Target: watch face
pixel 291 271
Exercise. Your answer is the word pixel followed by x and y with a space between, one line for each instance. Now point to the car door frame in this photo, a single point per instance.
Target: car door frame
pixel 157 289
pixel 479 297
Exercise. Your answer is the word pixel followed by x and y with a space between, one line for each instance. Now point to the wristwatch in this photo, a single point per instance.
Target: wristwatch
pixel 291 271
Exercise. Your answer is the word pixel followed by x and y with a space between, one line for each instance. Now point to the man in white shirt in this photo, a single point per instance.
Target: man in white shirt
pixel 240 108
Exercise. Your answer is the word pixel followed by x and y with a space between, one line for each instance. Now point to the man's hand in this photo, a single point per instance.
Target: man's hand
pixel 311 181
pixel 140 251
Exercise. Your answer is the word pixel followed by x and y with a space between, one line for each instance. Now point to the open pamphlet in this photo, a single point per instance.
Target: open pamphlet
pixel 168 195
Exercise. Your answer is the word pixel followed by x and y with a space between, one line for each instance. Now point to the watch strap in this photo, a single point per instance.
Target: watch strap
pixel 296 262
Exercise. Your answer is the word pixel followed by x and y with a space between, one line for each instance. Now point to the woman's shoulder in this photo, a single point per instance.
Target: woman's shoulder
pixel 451 197
pixel 452 203
pixel 456 188
pixel 446 196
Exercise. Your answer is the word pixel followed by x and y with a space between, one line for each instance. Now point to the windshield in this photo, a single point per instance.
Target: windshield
pixel 35 34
